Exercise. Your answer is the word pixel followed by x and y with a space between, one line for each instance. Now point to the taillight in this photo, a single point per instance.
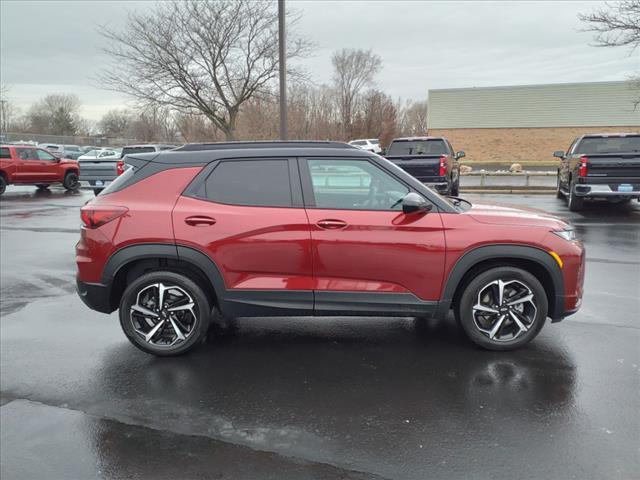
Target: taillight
pixel 584 166
pixel 96 216
pixel 120 167
pixel 443 166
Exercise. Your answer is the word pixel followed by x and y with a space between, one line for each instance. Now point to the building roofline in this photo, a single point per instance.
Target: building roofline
pixel 531 85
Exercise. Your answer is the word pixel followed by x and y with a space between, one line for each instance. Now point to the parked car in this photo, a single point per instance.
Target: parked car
pixel 97 173
pixel 431 160
pixel 368 144
pixel 28 165
pixel 101 153
pixel 313 228
pixel 63 151
pixel 605 166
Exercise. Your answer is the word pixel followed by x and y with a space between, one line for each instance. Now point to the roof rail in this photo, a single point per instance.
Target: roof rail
pixel 194 147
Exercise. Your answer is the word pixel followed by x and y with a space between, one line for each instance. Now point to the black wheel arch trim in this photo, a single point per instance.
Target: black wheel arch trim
pixel 506 252
pixel 196 258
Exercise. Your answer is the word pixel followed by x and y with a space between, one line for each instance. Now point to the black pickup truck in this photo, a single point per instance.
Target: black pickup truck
pixel 431 160
pixel 600 166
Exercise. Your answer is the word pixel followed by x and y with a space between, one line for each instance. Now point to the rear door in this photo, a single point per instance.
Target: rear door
pixel 368 256
pixel 247 215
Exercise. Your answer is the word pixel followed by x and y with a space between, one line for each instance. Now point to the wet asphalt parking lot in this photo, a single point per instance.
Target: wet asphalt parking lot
pixel 314 397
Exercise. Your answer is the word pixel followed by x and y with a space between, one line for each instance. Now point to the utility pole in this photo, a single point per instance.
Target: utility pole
pixel 283 71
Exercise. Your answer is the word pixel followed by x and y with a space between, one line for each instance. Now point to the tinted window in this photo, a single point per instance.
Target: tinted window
pixel 375 141
pixel 609 145
pixel 251 182
pixel 417 147
pixel 358 142
pixel 5 153
pixel 44 155
pixel 129 150
pixel 354 185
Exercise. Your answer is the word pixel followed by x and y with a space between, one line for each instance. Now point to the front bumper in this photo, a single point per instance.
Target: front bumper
pixel 95 296
pixel 610 190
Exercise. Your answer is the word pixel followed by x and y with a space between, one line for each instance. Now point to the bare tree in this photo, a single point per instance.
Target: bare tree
pixel 8 111
pixel 353 71
pixel 615 25
pixel 115 123
pixel 55 114
pixel 414 118
pixel 199 56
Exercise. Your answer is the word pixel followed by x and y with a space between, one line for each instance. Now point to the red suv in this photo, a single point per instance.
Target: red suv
pixel 313 228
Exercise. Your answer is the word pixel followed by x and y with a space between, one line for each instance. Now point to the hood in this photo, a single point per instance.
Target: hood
pixel 501 214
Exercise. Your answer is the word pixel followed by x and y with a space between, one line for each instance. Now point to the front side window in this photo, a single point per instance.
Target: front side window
pixel 354 185
pixel 260 183
pixel 44 155
pixel 27 153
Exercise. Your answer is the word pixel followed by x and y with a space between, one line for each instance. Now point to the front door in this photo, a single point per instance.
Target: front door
pixel 368 256
pixel 36 165
pixel 249 219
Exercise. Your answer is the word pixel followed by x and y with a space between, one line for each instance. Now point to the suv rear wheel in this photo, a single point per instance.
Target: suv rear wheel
pixel 165 313
pixel 503 308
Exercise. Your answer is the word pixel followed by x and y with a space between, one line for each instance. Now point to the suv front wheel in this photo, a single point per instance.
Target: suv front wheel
pixel 165 313
pixel 503 308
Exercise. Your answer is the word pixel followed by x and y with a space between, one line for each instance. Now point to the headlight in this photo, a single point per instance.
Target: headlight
pixel 569 234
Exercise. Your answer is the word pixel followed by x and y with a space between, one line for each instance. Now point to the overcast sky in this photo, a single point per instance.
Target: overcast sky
pixel 54 47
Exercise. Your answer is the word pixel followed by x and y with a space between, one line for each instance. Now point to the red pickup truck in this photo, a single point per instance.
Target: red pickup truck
pixel 27 165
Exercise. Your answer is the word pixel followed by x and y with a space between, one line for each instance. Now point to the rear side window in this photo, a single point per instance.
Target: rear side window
pixel 263 183
pixel 418 147
pixel 27 154
pixel 630 144
pixel 5 153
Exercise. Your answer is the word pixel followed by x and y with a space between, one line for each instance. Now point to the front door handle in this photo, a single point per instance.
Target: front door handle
pixel 199 221
pixel 331 224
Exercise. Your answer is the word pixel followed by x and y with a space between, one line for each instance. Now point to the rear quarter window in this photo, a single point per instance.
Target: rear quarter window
pixel 5 152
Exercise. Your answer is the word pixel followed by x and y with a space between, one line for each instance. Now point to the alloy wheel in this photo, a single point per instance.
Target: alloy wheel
pixel 504 310
pixel 163 315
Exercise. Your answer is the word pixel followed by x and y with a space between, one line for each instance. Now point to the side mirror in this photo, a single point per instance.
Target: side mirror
pixel 558 154
pixel 460 154
pixel 414 203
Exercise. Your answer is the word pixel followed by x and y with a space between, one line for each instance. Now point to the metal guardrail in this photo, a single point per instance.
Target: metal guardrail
pixel 526 175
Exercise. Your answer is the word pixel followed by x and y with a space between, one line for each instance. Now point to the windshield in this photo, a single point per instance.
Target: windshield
pixel 417 147
pixel 597 145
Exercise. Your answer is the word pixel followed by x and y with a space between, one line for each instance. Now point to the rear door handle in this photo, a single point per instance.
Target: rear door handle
pixel 199 221
pixel 331 224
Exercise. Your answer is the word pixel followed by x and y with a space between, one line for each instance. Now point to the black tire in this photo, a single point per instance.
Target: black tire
pixel 455 188
pixel 96 191
pixel 70 181
pixel 559 193
pixel 3 184
pixel 513 277
pixel 199 325
pixel 574 202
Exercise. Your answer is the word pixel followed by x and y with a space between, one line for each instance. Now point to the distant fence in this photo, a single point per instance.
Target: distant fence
pixel 66 139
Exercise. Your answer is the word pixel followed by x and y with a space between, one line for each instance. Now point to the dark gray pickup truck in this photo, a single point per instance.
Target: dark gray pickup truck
pixel 431 160
pixel 600 166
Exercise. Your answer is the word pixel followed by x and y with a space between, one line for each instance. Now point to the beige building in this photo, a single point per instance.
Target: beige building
pixel 529 122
